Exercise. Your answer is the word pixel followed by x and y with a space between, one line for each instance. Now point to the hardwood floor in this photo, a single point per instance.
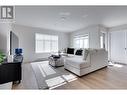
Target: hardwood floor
pixel 28 78
pixel 112 77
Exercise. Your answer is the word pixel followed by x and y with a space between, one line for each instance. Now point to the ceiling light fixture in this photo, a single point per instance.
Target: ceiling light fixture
pixel 63 18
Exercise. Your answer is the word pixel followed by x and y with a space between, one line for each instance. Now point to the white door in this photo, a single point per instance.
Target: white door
pixel 118 45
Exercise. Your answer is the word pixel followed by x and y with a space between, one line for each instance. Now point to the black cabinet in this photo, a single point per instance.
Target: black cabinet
pixel 11 72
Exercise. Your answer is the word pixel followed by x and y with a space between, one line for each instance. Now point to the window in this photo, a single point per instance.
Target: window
pixel 102 40
pixel 46 43
pixel 81 42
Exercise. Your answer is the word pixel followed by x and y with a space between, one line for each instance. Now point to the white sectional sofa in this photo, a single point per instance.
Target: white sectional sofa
pixel 95 59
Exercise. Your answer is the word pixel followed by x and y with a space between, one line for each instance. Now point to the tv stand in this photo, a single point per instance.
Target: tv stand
pixel 11 71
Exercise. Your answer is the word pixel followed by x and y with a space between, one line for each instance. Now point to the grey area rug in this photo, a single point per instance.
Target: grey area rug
pixel 49 77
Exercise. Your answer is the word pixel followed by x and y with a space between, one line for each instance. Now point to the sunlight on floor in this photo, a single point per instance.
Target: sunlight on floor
pixel 118 65
pixel 115 65
pixel 58 85
pixel 60 80
pixel 69 77
pixel 55 81
pixel 53 78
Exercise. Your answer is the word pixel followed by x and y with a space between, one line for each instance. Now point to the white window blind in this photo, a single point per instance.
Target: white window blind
pixel 81 42
pixel 46 43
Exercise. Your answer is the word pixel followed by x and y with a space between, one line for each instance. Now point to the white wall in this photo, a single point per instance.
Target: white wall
pixel 27 40
pixel 117 28
pixel 5 29
pixel 93 32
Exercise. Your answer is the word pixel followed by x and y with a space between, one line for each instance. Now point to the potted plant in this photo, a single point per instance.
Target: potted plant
pixel 2 56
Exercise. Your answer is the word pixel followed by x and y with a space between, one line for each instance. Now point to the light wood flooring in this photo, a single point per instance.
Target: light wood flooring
pixel 111 77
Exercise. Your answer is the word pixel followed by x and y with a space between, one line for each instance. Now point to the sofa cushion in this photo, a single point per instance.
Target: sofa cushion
pixel 77 62
pixel 79 52
pixel 70 50
pixel 85 53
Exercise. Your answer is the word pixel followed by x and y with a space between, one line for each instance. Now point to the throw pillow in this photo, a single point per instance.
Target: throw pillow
pixel 85 54
pixel 70 50
pixel 78 52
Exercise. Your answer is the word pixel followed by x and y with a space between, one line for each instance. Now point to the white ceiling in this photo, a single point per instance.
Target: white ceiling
pixel 70 18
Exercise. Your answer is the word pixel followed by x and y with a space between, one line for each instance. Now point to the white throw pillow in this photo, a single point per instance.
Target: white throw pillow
pixel 85 53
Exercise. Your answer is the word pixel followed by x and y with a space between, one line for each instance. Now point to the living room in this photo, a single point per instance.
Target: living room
pixel 43 31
